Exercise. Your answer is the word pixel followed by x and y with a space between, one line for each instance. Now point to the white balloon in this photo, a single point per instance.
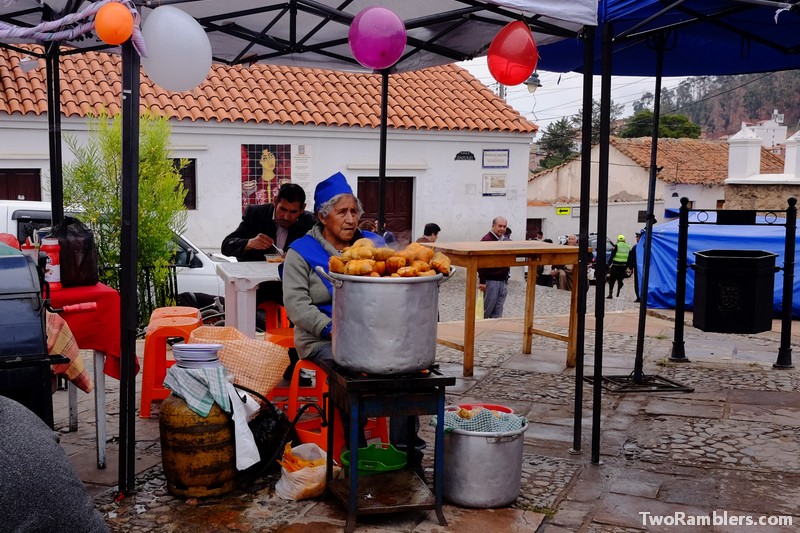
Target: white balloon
pixel 178 50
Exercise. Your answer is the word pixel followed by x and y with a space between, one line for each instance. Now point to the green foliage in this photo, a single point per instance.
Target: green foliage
pixel 93 181
pixel 615 112
pixel 669 126
pixel 557 143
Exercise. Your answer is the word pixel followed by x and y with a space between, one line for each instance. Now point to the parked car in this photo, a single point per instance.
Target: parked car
pixel 196 271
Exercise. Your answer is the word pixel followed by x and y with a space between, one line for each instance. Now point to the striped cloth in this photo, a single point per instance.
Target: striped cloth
pixel 199 387
pixel 61 341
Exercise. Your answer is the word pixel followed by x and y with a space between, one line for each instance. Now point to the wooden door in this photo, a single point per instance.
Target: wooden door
pixel 398 204
pixel 20 184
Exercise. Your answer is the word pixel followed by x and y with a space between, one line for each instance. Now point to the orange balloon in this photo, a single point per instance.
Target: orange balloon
pixel 114 23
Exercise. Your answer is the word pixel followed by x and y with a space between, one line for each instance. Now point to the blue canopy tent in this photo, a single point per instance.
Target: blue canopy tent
pixel 674 38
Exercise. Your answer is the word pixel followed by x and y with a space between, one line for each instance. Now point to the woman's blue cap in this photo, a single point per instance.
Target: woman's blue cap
pixel 327 189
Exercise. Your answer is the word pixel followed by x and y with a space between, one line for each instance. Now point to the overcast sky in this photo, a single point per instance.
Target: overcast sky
pixel 561 95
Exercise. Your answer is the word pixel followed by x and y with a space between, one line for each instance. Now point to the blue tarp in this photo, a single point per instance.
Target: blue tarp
pixel 664 254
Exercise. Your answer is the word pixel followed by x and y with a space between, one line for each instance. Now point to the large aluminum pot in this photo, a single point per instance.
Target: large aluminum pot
pixel 482 469
pixel 384 325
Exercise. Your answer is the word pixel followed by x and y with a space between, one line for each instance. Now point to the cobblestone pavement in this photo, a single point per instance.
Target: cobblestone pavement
pixel 730 446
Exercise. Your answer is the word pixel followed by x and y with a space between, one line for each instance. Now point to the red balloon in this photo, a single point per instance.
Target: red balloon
pixel 512 54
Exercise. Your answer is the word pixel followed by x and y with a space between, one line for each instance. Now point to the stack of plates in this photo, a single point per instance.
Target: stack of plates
pixel 197 355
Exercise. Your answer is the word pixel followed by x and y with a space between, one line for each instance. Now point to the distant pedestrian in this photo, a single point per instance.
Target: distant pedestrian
pixel 430 233
pixel 618 265
pixel 562 274
pixel 494 281
pixel 507 234
pixel 632 264
pixel 539 236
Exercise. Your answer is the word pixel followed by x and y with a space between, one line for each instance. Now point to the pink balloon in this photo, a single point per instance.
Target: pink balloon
pixel 512 56
pixel 377 37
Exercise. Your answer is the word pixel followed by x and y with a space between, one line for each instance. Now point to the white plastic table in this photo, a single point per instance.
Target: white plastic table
pixel 241 281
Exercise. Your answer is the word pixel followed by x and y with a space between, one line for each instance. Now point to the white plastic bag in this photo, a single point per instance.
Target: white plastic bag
pixel 307 482
pixel 246 450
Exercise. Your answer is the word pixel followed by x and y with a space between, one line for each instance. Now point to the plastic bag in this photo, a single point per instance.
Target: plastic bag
pixel 246 450
pixel 479 305
pixel 307 482
pixel 78 253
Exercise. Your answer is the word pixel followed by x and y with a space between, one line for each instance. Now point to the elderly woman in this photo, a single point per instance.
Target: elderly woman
pixel 307 296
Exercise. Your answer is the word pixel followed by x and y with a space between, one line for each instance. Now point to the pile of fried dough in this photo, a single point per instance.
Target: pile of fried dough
pixel 363 258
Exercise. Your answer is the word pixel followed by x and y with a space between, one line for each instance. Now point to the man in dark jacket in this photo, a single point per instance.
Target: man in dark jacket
pixel 270 229
pixel 494 281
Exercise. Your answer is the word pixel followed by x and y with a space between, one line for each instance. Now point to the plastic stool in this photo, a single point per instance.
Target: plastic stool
pixel 280 336
pixel 173 311
pixel 311 430
pixel 274 315
pixel 155 356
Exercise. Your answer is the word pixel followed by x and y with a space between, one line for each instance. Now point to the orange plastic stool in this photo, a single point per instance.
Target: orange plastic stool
pixel 280 336
pixel 274 315
pixel 155 356
pixel 311 430
pixel 173 311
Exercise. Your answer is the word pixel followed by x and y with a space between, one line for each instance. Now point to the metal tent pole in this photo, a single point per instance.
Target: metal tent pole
pixel 583 234
pixel 602 222
pixel 52 59
pixel 128 258
pixel 382 162
pixel 638 366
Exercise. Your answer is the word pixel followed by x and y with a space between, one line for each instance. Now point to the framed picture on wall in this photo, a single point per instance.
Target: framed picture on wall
pixel 495 159
pixel 494 185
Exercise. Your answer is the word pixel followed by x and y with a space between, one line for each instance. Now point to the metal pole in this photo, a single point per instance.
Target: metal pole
pixel 602 222
pixel 785 350
pixel 128 258
pixel 382 162
pixel 678 351
pixel 583 233
pixel 638 364
pixel 54 131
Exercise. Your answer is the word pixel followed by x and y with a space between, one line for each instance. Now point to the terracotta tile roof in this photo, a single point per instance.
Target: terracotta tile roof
pixel 690 160
pixel 432 99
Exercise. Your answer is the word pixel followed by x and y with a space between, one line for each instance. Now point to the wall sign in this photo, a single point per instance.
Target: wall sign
pixel 563 210
pixel 494 185
pixel 495 159
pixel 465 155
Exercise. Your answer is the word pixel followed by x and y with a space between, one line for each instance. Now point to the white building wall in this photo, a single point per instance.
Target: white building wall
pixel 446 191
pixel 622 218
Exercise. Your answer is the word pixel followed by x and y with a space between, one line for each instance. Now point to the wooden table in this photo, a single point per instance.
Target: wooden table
pixel 241 281
pixel 490 254
pixel 98 330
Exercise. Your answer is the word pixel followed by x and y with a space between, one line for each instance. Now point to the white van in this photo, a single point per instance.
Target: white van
pixel 196 271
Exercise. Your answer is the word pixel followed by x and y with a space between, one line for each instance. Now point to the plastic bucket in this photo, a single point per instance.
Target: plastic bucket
pixel 481 469
pixel 375 459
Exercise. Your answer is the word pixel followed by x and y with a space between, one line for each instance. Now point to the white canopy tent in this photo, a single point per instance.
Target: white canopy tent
pixel 310 33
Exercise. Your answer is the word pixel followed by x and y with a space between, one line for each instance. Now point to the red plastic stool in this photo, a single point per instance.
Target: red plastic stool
pixel 274 315
pixel 155 356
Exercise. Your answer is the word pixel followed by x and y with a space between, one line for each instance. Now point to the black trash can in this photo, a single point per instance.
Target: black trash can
pixel 733 290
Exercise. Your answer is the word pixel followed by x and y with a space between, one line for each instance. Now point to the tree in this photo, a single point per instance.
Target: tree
pixel 669 126
pixel 558 143
pixel 615 112
pixel 93 183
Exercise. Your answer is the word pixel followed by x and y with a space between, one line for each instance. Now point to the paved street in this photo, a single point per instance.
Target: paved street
pixel 729 447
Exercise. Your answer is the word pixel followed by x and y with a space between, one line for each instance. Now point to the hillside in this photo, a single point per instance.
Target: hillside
pixel 719 104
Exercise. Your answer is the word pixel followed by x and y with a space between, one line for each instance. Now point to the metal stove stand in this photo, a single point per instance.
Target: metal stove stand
pixel 359 396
